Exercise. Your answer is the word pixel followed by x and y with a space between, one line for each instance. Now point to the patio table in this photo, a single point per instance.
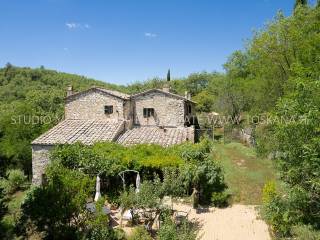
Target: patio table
pixel 91 207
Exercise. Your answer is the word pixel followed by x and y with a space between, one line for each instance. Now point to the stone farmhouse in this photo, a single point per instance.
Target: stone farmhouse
pixel 96 115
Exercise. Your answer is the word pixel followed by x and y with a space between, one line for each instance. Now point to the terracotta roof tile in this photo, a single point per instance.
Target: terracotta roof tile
pixel 115 93
pixel 154 135
pixel 163 92
pixel 86 131
pixel 110 92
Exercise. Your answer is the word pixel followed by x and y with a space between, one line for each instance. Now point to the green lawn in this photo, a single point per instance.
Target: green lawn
pixel 245 173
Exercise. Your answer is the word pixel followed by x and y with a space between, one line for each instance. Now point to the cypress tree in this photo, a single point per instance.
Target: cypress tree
pixel 168 76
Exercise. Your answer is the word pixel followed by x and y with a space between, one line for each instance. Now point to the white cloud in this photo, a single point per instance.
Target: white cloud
pixel 150 35
pixel 75 25
pixel 72 25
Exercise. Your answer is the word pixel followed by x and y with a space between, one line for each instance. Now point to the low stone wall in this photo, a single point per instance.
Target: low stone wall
pixel 40 159
pixel 246 136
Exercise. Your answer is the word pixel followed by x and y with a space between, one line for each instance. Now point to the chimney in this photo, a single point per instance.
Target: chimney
pixel 69 90
pixel 166 88
pixel 188 96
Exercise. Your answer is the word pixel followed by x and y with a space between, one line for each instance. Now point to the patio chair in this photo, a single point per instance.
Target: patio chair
pixel 180 216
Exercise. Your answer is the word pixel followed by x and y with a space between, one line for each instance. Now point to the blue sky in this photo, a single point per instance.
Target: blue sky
pixel 124 41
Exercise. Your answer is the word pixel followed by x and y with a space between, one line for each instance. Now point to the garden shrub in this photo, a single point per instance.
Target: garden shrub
pixel 98 224
pixel 304 232
pixel 3 210
pixel 58 208
pixel 205 176
pixel 282 211
pixel 106 233
pixel 276 214
pixel 14 180
pixel 127 200
pixel 3 207
pixel 102 233
pixel 187 231
pixel 264 139
pixel 220 199
pixel 5 186
pixel 194 152
pixel 174 184
pixel 140 233
pixel 98 227
pixel 170 231
pixel 149 195
pixel 120 234
pixel 273 210
pixel 149 198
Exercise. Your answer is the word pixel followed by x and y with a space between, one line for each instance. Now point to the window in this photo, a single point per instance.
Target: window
pixel 148 112
pixel 108 109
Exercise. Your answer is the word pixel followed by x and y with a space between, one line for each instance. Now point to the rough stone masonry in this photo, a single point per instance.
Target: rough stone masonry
pixel 95 115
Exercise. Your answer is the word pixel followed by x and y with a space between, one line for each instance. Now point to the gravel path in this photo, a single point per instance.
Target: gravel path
pixel 238 222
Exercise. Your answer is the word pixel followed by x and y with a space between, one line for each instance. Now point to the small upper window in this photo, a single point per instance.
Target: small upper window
pixel 108 109
pixel 148 112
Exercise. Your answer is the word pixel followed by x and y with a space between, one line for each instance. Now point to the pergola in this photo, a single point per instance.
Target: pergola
pixel 122 176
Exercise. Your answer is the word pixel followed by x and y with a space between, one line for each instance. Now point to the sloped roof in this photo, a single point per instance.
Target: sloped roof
pixel 154 135
pixel 125 96
pixel 161 91
pixel 103 90
pixel 85 131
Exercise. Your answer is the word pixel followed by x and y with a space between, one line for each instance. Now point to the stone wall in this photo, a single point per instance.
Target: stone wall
pixel 246 136
pixel 90 105
pixel 191 135
pixel 168 111
pixel 128 114
pixel 40 159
